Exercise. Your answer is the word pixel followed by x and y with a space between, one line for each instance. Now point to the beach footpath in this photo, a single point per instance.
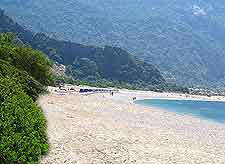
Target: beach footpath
pixel 98 129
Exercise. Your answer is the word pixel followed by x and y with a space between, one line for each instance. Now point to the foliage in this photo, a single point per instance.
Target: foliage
pixel 95 66
pixel 88 63
pixel 187 47
pixel 23 137
pixel 112 64
pixel 175 88
pixel 91 63
pixel 25 59
pixel 84 68
pixel 30 86
pixel 103 83
pixel 22 125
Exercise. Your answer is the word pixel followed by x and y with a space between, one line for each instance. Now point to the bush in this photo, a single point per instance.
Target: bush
pixel 23 137
pixel 34 62
pixel 30 86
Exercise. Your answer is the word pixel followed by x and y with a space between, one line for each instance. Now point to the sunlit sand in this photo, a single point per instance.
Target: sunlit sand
pixel 102 129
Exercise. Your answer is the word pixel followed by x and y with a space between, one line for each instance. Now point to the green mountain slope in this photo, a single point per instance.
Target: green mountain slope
pixel 89 63
pixel 185 39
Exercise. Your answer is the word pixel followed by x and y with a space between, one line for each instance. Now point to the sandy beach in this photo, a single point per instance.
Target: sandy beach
pixel 101 129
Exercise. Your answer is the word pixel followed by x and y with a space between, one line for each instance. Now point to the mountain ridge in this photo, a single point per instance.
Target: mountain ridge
pixel 88 63
pixel 184 39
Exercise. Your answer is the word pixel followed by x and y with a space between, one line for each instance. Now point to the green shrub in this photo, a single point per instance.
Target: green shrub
pixel 34 62
pixel 30 86
pixel 23 137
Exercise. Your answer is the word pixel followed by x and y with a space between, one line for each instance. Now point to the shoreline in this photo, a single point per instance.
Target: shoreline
pixel 127 95
pixel 158 96
pixel 149 95
pixel 100 128
pixel 199 117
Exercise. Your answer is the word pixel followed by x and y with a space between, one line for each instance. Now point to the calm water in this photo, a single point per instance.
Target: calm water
pixel 214 111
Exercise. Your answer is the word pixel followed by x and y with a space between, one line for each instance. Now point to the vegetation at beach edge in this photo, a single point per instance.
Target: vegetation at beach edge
pixel 24 73
pixel 104 83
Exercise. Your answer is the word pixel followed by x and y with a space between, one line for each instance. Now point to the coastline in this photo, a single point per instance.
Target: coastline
pixel 100 128
pixel 126 96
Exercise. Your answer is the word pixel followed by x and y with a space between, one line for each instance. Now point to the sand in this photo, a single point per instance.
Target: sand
pixel 100 129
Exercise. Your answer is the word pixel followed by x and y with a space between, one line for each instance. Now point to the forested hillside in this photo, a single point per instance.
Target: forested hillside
pixel 88 63
pixel 185 39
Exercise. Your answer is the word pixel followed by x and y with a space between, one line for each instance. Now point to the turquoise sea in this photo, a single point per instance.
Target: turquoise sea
pixel 210 110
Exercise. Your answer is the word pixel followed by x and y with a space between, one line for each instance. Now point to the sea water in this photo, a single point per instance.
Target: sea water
pixel 211 110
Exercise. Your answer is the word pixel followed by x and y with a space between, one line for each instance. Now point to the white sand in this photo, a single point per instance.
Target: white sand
pixel 127 95
pixel 98 129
